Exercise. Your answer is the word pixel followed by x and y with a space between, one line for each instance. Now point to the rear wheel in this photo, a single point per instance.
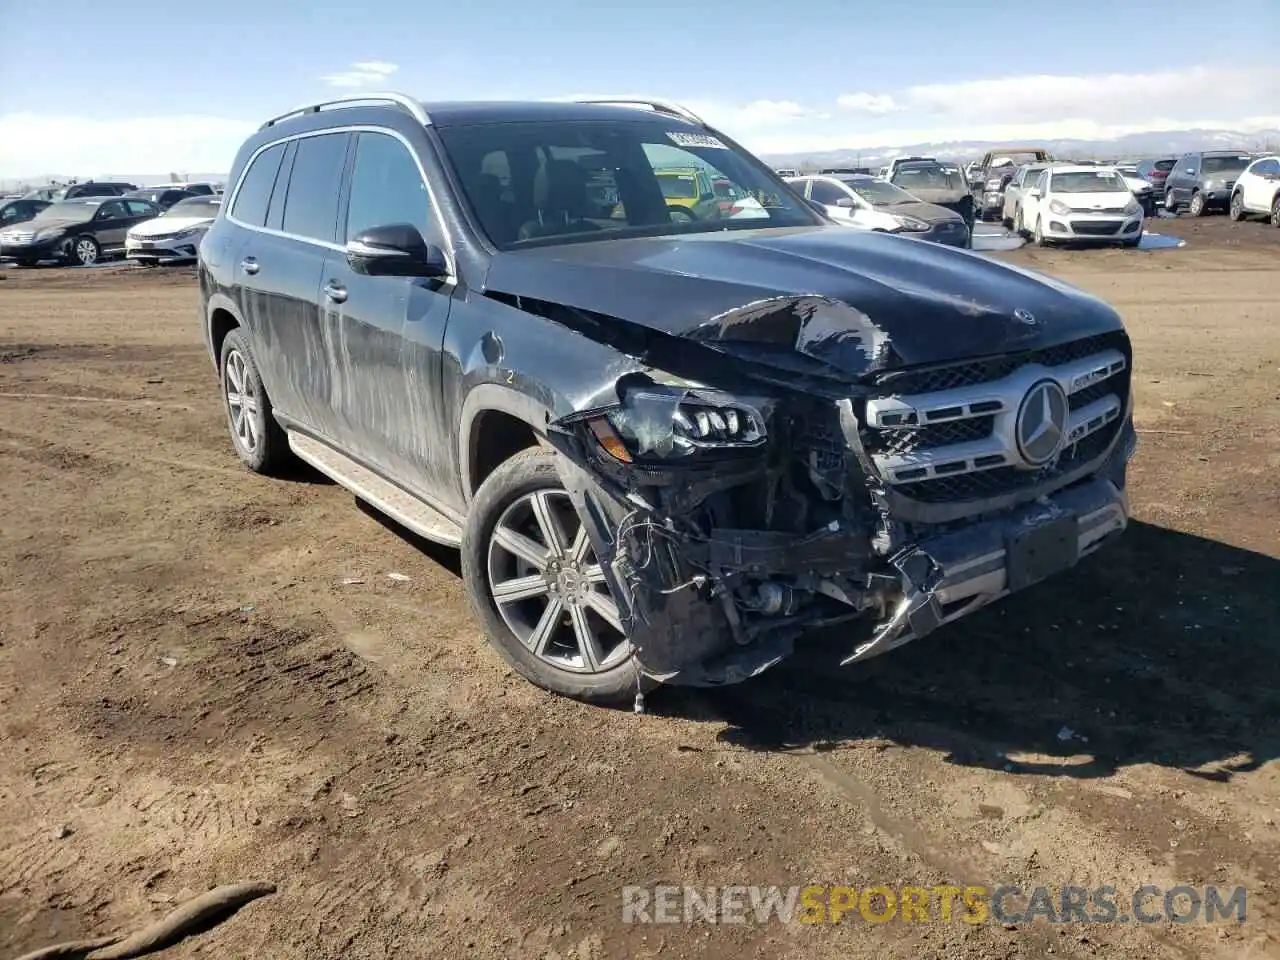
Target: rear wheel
pixel 259 441
pixel 1275 210
pixel 535 583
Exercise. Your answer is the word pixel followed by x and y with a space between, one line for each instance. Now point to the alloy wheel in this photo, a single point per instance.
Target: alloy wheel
pixel 242 401
pixel 549 587
pixel 86 251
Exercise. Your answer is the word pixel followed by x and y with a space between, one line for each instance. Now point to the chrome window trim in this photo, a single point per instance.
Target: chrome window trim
pixel 352 128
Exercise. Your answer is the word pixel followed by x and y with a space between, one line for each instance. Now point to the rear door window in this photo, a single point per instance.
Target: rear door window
pixel 254 195
pixel 311 205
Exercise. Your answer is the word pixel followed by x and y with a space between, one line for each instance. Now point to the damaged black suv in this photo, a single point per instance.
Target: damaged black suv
pixel 668 438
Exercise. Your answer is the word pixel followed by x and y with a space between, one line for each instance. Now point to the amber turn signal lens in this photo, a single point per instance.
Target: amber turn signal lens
pixel 604 433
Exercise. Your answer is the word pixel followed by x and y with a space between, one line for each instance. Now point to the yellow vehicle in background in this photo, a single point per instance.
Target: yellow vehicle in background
pixel 689 192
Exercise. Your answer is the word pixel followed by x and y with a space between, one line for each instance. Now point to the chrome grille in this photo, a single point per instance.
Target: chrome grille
pixel 18 236
pixel 949 434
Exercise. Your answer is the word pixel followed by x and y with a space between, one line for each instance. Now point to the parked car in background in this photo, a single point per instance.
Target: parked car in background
pixel 988 178
pixel 875 204
pixel 1079 202
pixel 201 188
pixel 1203 182
pixel 689 192
pixel 175 235
pixel 73 191
pixel 19 210
pixel 1022 180
pixel 935 181
pixel 787 172
pixel 1139 186
pixel 1156 172
pixel 1257 190
pixel 81 231
pixel 162 197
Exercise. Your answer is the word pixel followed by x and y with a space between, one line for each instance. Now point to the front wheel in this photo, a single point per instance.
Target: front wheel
pixel 1039 233
pixel 1236 211
pixel 537 587
pixel 1275 210
pixel 85 251
pixel 1197 207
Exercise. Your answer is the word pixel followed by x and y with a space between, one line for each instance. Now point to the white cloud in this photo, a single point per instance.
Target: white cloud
pixel 872 103
pixel 1115 98
pixel 365 73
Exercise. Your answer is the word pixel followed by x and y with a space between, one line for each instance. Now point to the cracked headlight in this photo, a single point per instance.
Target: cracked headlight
pixel 656 424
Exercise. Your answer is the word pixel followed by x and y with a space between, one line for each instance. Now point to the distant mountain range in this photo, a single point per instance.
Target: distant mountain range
pixel 13 184
pixel 1134 146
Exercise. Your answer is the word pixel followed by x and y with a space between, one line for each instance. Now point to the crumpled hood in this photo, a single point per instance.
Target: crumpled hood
pixel 857 301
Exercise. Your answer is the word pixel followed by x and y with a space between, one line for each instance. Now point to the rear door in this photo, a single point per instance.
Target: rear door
pixel 387 333
pixel 281 261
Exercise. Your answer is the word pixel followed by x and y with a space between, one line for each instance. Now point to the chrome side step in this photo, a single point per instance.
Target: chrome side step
pixel 399 505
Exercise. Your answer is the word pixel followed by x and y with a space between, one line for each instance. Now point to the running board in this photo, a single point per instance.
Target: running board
pixel 396 503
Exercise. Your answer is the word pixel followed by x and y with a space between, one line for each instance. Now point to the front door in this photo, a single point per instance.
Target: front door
pixel 390 330
pixel 110 224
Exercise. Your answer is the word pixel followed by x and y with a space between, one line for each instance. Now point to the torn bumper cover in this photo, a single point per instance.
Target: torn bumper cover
pixel 951 575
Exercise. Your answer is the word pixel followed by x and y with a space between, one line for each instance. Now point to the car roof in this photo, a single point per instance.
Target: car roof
pixel 452 113
pixel 1224 153
pixel 1078 167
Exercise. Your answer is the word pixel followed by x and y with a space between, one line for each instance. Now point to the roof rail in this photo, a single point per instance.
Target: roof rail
pixel 407 104
pixel 658 106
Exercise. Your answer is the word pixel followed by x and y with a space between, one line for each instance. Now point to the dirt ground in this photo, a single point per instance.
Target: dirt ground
pixel 191 693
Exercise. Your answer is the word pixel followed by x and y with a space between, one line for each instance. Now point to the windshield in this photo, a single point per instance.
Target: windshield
pixel 1088 181
pixel 878 193
pixel 929 176
pixel 1165 165
pixel 70 210
pixel 677 186
pixel 194 207
pixel 1224 164
pixel 537 183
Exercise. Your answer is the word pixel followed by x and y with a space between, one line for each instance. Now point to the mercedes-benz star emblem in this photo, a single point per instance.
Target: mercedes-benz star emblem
pixel 1042 422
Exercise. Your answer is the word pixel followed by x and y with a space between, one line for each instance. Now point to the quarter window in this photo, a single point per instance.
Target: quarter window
pixel 255 187
pixel 386 187
pixel 311 205
pixel 139 208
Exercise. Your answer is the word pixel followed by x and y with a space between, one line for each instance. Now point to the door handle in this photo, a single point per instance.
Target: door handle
pixel 250 265
pixel 335 291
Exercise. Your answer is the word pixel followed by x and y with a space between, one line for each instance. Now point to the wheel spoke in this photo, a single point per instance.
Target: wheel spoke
pixel 546 627
pixel 233 373
pixel 548 524
pixel 521 588
pixel 588 645
pixel 581 547
pixel 593 573
pixel 518 545
pixel 603 604
pixel 251 430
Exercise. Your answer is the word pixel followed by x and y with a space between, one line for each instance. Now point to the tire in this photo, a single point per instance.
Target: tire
pixel 1019 227
pixel 1236 210
pixel 1006 222
pixel 1275 210
pixel 1132 243
pixel 523 497
pixel 259 441
pixel 1038 237
pixel 84 251
pixel 1197 206
pixel 1169 203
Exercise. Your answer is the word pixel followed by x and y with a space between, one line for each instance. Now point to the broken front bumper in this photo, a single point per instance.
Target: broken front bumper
pixel 949 576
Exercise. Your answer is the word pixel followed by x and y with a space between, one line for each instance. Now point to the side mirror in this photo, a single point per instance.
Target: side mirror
pixel 846 203
pixel 1034 193
pixel 395 250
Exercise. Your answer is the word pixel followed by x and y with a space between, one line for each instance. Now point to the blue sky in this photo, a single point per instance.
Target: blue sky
pixel 772 74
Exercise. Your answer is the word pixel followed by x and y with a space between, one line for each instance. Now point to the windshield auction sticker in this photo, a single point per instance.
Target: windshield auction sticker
pixel 683 139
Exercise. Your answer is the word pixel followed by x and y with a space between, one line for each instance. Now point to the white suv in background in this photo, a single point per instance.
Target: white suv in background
pixel 1079 202
pixel 1257 190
